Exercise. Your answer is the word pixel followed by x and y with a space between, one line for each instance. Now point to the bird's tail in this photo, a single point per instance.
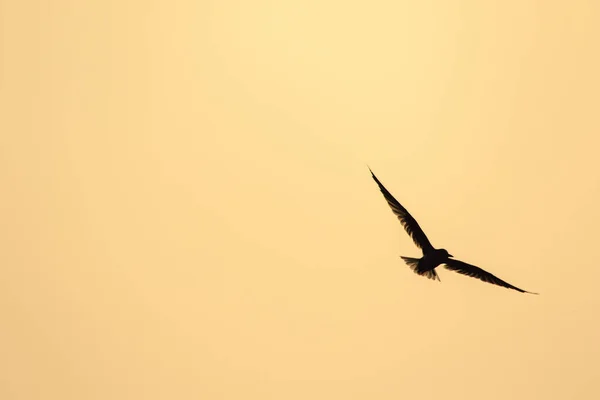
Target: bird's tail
pixel 413 263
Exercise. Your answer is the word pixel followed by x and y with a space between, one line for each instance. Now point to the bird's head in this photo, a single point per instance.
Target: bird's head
pixel 446 253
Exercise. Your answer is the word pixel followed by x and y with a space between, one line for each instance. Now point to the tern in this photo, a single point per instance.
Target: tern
pixel 432 257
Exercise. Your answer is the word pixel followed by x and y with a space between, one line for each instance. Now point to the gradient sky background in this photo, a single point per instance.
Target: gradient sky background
pixel 187 211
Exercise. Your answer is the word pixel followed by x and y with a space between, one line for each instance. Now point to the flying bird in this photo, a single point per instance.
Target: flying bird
pixel 432 257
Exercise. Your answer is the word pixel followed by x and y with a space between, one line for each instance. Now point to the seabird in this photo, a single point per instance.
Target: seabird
pixel 432 257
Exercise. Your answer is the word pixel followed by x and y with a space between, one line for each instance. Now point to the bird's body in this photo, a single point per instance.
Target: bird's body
pixel 432 257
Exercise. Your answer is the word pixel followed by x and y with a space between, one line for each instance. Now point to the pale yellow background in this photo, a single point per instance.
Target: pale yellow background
pixel 187 213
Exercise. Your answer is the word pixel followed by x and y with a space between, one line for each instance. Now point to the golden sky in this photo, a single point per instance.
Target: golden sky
pixel 187 211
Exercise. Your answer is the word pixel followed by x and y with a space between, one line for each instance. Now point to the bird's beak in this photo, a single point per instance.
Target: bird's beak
pixel 450 255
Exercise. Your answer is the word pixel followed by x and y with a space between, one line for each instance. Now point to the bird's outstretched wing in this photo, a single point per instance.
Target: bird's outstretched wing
pixel 408 222
pixel 476 272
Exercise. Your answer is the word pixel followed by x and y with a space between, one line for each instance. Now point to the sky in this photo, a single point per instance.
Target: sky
pixel 187 210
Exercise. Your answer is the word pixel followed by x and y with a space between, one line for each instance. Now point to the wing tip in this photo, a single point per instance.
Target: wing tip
pixel 370 170
pixel 381 187
pixel 520 290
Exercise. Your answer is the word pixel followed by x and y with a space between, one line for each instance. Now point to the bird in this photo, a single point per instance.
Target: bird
pixel 432 257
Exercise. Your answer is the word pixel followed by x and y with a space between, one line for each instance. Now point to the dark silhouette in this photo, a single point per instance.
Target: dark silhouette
pixel 433 257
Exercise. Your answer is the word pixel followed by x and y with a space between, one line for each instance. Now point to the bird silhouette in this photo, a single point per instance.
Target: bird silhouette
pixel 432 257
